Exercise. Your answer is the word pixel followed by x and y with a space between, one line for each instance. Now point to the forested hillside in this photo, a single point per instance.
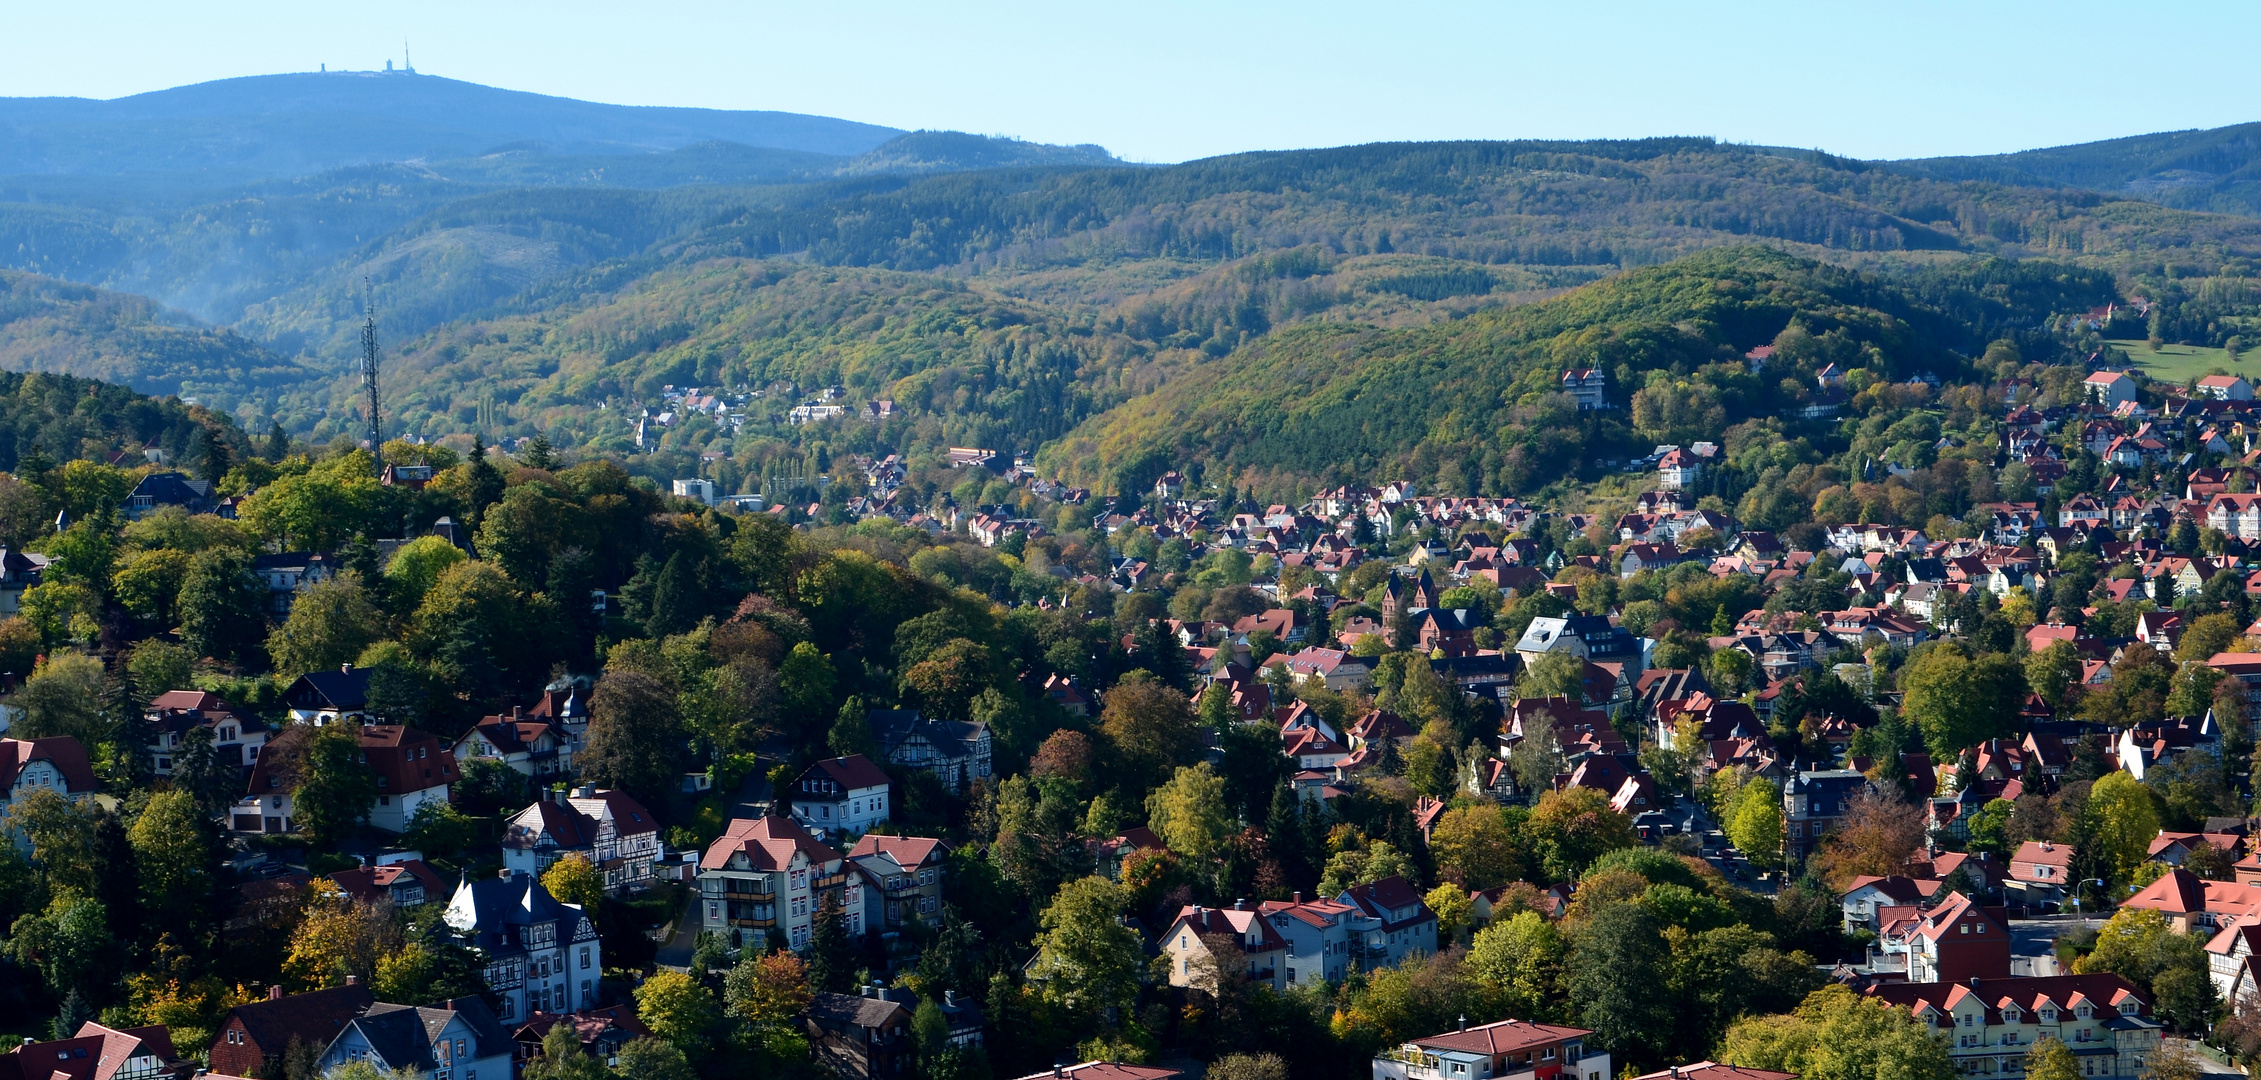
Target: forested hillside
pixel 2217 169
pixel 53 326
pixel 560 306
pixel 1475 405
pixel 47 420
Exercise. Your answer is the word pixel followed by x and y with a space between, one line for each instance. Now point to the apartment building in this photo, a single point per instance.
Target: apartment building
pixel 904 878
pixel 1989 1025
pixel 770 874
pixel 1325 938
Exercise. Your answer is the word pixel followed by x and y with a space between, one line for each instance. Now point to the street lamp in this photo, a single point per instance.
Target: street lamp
pixel 2076 892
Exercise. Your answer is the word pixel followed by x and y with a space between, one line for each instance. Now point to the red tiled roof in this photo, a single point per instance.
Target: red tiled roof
pixel 1504 1037
pixel 909 852
pixel 64 751
pixel 769 843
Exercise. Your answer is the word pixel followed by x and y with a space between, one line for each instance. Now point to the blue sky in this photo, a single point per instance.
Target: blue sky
pixel 1163 81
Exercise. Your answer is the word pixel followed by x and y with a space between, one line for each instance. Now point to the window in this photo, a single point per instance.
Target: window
pixel 584 958
pixel 1981 928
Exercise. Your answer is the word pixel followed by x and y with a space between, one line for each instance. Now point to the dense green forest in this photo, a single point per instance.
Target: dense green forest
pixel 1182 264
pixel 1007 304
pixel 48 325
pixel 2218 169
pixel 1475 406
pixel 47 419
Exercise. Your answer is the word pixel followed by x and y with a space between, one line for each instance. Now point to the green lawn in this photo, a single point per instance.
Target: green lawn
pixel 2181 363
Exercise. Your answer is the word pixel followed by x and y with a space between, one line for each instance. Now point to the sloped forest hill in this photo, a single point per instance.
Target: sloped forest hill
pixel 1176 266
pixel 2217 169
pixel 1475 405
pixel 47 420
pixel 54 326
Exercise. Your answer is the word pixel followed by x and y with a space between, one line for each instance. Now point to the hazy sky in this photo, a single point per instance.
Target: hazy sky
pixel 1162 81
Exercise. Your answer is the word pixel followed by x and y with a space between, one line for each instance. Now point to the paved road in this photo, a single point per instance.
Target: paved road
pixel 2033 949
pixel 676 951
pixel 2208 1066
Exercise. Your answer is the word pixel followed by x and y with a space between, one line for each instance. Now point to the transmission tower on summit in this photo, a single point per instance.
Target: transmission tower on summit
pixel 369 375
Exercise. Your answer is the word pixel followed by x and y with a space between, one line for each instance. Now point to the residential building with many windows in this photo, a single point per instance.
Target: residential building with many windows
pixel 541 953
pixel 1206 942
pixel 1401 921
pixel 770 874
pixel 1990 1025
pixel 1324 937
pixel 904 875
pixel 1508 1050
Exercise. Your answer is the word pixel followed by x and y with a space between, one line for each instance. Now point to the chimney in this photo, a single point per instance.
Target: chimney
pixel 1676 1072
pixel 518 712
pixel 1297 896
pixel 1974 982
pixel 1240 904
pixel 355 980
pixel 1463 1021
pixel 949 999
pixel 585 791
pixel 275 992
pixel 346 668
pixel 870 989
pixel 503 873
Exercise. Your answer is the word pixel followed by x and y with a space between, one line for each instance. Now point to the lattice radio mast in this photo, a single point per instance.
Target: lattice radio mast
pixel 369 375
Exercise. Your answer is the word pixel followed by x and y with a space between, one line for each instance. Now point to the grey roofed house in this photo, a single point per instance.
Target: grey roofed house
pixel 859 1035
pixel 539 950
pixel 168 489
pixel 1589 636
pixel 404 1037
pixel 955 751
pixel 328 694
pixel 1480 670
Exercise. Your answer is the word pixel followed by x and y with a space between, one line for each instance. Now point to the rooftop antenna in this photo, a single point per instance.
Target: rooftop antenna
pixel 369 374
pixel 405 64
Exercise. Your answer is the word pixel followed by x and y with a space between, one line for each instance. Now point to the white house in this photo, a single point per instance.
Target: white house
pixel 58 764
pixel 541 953
pixel 843 796
pixel 702 490
pixel 236 737
pixel 2225 388
pixel 1678 468
pixel 412 770
pixel 2109 388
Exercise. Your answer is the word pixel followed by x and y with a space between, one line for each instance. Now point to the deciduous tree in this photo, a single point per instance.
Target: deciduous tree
pixel 1572 827
pixel 1086 959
